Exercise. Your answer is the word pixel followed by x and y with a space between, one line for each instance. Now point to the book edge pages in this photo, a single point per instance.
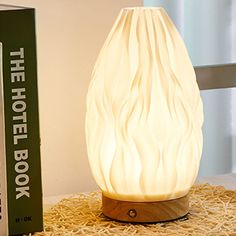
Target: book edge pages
pixel 3 172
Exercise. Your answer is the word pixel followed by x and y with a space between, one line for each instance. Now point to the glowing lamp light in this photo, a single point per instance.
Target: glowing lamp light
pixel 144 118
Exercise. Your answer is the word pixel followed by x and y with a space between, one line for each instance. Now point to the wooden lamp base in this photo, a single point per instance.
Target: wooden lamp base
pixel 145 212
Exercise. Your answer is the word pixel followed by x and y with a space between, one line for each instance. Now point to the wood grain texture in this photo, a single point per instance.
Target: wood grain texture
pixel 216 76
pixel 145 212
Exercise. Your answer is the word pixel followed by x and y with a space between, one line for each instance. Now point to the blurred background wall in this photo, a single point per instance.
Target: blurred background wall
pixel 70 34
pixel 209 31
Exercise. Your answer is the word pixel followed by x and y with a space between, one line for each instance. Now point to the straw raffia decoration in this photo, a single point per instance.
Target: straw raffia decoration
pixel 212 213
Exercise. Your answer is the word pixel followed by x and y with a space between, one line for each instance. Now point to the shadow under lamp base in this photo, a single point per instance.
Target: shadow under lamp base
pixel 145 212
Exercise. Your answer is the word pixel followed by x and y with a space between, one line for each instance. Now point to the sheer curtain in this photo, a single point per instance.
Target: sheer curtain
pixel 208 28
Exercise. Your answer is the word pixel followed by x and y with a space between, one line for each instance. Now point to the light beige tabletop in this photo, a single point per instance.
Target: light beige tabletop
pixel 228 181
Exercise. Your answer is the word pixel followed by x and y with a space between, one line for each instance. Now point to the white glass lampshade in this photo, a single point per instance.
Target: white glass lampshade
pixel 144 111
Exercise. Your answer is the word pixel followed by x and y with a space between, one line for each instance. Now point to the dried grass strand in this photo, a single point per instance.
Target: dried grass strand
pixel 212 212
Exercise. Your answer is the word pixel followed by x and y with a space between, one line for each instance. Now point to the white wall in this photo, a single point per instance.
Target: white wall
pixel 233 102
pixel 70 34
pixel 174 8
pixel 233 99
pixel 209 32
pixel 217 132
pixel 233 29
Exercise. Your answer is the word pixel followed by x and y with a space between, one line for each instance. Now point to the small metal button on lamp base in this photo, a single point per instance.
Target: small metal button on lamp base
pixel 132 213
pixel 145 212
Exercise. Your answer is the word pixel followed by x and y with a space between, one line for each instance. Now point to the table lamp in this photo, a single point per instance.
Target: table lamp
pixel 143 120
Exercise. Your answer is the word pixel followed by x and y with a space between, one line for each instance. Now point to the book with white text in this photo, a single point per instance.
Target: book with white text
pixel 20 167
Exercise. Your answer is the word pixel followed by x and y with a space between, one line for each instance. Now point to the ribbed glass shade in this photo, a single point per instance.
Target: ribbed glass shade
pixel 144 111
